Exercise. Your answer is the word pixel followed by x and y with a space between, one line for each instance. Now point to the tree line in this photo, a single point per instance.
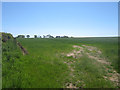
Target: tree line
pixel 44 36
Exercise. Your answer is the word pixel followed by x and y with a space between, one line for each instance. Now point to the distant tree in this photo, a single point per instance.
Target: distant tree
pixel 20 36
pixel 40 37
pixel 51 37
pixel 23 36
pixel 28 36
pixel 35 36
pixel 48 36
pixel 57 36
pixel 65 37
pixel 43 36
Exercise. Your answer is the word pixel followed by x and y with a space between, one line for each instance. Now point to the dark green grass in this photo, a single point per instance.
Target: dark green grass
pixel 11 65
pixel 44 65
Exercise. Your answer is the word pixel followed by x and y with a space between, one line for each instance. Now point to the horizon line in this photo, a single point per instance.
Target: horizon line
pixel 32 36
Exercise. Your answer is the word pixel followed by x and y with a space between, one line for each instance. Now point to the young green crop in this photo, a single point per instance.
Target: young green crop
pixel 44 66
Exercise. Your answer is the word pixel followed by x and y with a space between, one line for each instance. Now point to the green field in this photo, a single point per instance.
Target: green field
pixel 51 63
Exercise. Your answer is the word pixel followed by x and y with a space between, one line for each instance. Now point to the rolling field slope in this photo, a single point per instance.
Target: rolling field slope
pixel 61 63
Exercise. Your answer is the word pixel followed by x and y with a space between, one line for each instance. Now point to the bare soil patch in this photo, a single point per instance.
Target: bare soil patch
pixel 70 85
pixel 76 52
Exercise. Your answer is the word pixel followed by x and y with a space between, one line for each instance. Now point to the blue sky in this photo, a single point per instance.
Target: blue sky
pixel 79 19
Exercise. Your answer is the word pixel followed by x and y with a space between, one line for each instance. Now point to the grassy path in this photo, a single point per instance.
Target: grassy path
pixel 95 54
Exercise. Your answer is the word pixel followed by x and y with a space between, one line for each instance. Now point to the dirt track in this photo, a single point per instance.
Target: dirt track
pixel 78 53
pixel 24 51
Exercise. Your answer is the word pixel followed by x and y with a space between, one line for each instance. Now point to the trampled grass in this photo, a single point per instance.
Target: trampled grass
pixel 45 67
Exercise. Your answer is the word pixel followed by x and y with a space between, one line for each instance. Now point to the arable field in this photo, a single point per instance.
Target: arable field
pixel 61 63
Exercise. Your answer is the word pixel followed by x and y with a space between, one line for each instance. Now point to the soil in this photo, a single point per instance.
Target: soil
pixel 75 53
pixel 24 51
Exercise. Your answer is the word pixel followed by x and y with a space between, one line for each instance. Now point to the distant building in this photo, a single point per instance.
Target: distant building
pixel 48 36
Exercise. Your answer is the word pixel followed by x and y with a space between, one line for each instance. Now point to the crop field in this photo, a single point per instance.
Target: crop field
pixel 60 63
